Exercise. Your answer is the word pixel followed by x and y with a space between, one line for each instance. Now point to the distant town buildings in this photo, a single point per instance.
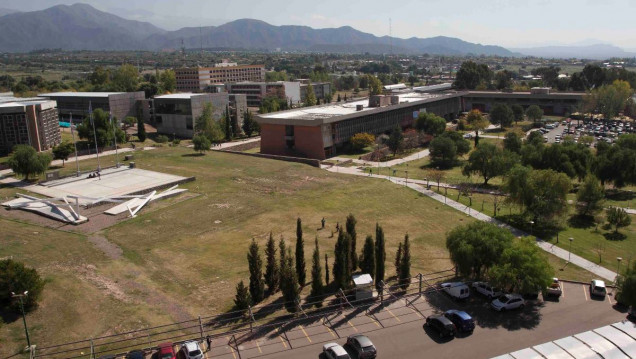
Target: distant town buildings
pixel 120 104
pixel 28 121
pixel 198 79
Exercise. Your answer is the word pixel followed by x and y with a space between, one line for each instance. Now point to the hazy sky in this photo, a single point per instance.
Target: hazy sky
pixel 509 23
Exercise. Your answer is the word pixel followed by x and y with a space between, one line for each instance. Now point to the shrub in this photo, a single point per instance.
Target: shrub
pixel 16 277
pixel 162 139
pixel 362 140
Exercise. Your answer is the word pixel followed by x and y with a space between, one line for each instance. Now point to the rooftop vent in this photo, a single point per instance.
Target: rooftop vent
pixel 359 107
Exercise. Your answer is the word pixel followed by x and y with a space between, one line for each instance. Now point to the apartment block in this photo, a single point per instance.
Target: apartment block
pixel 198 79
pixel 255 91
pixel 29 121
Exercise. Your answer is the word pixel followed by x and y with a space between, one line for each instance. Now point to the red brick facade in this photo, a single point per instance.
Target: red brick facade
pixel 273 139
pixel 307 141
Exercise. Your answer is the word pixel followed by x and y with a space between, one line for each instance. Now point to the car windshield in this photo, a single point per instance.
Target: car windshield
pixel 195 353
pixel 504 298
pixel 600 289
pixel 369 348
pixel 166 356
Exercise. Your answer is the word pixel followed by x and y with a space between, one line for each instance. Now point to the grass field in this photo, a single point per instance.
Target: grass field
pixel 184 260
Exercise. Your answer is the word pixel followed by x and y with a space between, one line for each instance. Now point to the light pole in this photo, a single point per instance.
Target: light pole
pixel 407 178
pixel 337 166
pixel 26 330
pixel 618 266
pixel 532 228
pixel 570 251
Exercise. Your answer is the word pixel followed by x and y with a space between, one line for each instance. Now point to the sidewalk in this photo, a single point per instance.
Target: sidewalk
pixel 226 145
pixel 411 157
pixel 548 247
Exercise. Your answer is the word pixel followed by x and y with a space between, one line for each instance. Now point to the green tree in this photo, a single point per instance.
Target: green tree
pixel 289 283
pixel 443 152
pixel 282 249
pixel 18 278
pixel 255 262
pixel 589 198
pixel 236 130
pixel 609 100
pixel 517 111
pixel 503 80
pixel 300 253
pixel 626 285
pixel 100 78
pixel 471 75
pixel 534 113
pixel 367 260
pixel 317 286
pixel 62 151
pixel 350 226
pixel 430 123
pixel 405 264
pixel 250 126
pixel 380 254
pixel 227 125
pixel 310 96
pixel 477 247
pixel 478 123
pixel 398 260
pixel 326 269
pixel 125 79
pixel 201 143
pixel 25 161
pixel 396 140
pixel 489 161
pixel 361 140
pixel 141 130
pixel 522 268
pixel 341 260
pixel 242 298
pixel 512 142
pixel 168 81
pixel 502 115
pixel 105 129
pixel 272 274
pixel 205 125
pixel 618 218
pixel 128 121
pixel 375 85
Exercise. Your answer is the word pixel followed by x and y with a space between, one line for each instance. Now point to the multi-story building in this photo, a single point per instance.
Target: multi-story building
pixel 198 79
pixel 321 90
pixel 120 104
pixel 255 91
pixel 552 103
pixel 31 121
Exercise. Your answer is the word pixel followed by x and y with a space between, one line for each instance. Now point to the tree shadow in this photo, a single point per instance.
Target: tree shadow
pixel 581 221
pixel 9 316
pixel 619 195
pixel 196 154
pixel 615 236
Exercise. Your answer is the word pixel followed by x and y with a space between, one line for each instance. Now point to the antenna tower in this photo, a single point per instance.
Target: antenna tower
pixel 391 36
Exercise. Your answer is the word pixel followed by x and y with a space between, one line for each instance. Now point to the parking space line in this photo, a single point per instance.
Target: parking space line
pixel 609 300
pixel 258 346
pixel 562 290
pixel 352 326
pixel 389 310
pixel 282 341
pixel 330 331
pixel 229 346
pixel 304 332
pixel 415 311
pixel 375 320
pixel 584 292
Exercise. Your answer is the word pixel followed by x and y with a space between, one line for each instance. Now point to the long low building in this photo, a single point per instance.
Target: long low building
pixel 317 132
pixel 28 121
pixel 552 103
pixel 120 104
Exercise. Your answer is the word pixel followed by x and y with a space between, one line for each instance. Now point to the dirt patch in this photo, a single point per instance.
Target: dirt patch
pixel 112 250
pixel 88 273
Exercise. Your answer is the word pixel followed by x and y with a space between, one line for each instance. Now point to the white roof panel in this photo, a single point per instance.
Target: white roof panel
pixel 576 348
pixel 526 354
pixel 79 94
pixel 601 345
pixel 551 351
pixel 620 339
pixel 362 279
pixel 505 356
pixel 627 327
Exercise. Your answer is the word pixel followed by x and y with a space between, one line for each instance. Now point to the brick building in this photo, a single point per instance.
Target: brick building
pixel 30 121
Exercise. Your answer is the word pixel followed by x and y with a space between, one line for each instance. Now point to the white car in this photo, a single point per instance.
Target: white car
pixel 468 135
pixel 334 351
pixel 508 302
pixel 457 290
pixel 486 289
pixel 191 350
pixel 597 287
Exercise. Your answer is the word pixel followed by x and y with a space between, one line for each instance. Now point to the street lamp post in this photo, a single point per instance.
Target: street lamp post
pixel 407 178
pixel 618 266
pixel 570 251
pixel 26 330
pixel 532 228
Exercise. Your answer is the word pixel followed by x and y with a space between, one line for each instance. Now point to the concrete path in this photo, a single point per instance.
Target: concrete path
pixel 226 145
pixel 411 157
pixel 417 185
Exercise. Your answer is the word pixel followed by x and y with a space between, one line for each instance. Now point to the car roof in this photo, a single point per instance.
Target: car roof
pixel 460 313
pixel 190 346
pixel 362 339
pixel 441 318
pixel 598 283
pixel 337 348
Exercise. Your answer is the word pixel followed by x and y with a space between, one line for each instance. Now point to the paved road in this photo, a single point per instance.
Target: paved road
pixel 399 331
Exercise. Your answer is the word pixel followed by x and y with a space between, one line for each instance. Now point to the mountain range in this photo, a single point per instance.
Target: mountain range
pixel 82 27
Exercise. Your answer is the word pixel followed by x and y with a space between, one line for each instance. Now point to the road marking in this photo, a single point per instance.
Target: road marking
pixel 231 349
pixel 304 332
pixel 389 310
pixel 330 331
pixel 283 341
pixel 584 292
pixel 562 290
pixel 609 300
pixel 374 320
pixel 416 312
pixel 351 325
pixel 259 347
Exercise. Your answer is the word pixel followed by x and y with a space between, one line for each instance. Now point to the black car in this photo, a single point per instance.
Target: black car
pixel 463 322
pixel 362 346
pixel 442 325
pixel 136 354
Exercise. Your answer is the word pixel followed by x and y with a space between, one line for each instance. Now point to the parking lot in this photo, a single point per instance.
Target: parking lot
pixel 599 130
pixel 396 327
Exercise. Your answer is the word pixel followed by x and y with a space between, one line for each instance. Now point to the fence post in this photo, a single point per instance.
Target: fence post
pixel 420 275
pixel 201 327
pixel 92 349
pixel 381 291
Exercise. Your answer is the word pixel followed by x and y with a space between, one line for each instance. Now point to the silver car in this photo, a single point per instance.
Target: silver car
pixel 508 302
pixel 335 351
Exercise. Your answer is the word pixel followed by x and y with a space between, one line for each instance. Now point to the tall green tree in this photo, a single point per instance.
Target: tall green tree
pixel 168 81
pixel 443 152
pixel 227 122
pixel 205 125
pixel 350 227
pixel 367 260
pixel 522 268
pixel 534 113
pixel 326 269
pixel 476 247
pixel 502 115
pixel 626 285
pixel 141 130
pixel 396 140
pixel 380 254
pixel 255 262
pixel 489 161
pixel 611 99
pixel 341 265
pixel 125 79
pixel 18 278
pixel 512 142
pixel 236 130
pixel 405 264
pixel 242 299
pixel 272 274
pixel 589 198
pixel 398 260
pixel 471 75
pixel 282 249
pixel 289 283
pixel 375 85
pixel 300 253
pixel 310 96
pixel 430 123
pixel 250 126
pixel 317 286
pixel 105 129
pixel 63 151
pixel 618 218
pixel 517 111
pixel 478 123
pixel 25 161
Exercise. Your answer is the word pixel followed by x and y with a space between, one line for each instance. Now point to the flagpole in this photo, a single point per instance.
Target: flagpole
pixel 110 115
pixel 90 114
pixel 75 144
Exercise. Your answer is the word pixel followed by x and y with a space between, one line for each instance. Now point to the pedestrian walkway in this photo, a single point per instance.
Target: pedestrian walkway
pixel 418 186
pixel 226 145
pixel 411 157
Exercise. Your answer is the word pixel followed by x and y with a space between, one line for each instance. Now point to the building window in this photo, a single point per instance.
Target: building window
pixel 189 123
pixel 158 119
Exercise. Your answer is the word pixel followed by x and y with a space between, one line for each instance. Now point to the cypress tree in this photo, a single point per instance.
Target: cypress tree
pixel 257 286
pixel 326 269
pixel 228 125
pixel 367 262
pixel 316 274
pixel 339 99
pixel 242 297
pixel 271 268
pixel 289 286
pixel 405 265
pixel 282 249
pixel 346 253
pixel 300 253
pixel 339 260
pixel 234 122
pixel 350 225
pixel 141 130
pixel 380 254
pixel 398 260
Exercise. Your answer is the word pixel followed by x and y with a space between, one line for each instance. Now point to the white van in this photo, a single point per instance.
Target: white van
pixel 457 290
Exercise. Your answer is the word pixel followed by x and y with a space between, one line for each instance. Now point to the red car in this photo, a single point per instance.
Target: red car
pixel 166 351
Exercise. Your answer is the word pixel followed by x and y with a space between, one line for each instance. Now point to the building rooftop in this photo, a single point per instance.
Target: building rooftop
pixel 182 96
pixel 79 94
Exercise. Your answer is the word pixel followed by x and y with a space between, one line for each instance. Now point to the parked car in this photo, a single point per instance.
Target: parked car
pixel 508 302
pixel 463 322
pixel 334 351
pixel 597 287
pixel 362 345
pixel 441 324
pixel 486 289
pixel 191 350
pixel 468 135
pixel 136 354
pixel 457 290
pixel 554 290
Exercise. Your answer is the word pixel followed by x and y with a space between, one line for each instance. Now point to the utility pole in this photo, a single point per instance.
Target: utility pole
pixel 90 114
pixel 110 118
pixel 75 144
pixel 26 330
